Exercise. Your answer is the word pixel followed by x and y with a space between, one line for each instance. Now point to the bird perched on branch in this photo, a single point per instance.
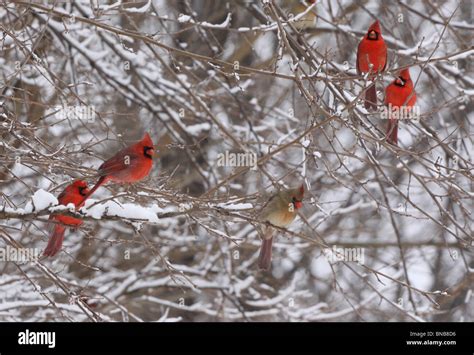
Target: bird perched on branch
pixel 280 211
pixel 75 194
pixel 398 95
pixel 129 165
pixel 372 58
pixel 309 19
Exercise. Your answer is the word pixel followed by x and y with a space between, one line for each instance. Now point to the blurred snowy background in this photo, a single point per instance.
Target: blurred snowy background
pixel 273 79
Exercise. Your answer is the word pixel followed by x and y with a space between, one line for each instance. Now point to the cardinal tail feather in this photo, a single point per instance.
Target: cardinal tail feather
pixel 265 257
pixel 371 98
pixel 392 131
pixel 91 191
pixel 55 241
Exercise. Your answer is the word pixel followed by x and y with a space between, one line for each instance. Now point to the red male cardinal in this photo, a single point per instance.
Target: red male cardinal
pixel 73 193
pixel 372 57
pixel 280 211
pixel 400 93
pixel 131 164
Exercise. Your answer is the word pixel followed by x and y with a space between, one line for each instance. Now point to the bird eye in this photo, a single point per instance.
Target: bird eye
pixel 83 190
pixel 148 151
pixel 400 81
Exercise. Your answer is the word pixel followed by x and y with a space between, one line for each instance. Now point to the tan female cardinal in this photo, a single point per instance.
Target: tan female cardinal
pixel 308 20
pixel 399 94
pixel 280 211
pixel 372 57
pixel 73 193
pixel 131 164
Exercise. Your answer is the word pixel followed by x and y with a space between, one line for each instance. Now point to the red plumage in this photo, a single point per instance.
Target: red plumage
pixel 129 165
pixel 372 57
pixel 73 193
pixel 398 94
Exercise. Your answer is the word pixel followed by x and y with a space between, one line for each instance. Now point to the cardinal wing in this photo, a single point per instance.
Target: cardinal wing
pixel 117 163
